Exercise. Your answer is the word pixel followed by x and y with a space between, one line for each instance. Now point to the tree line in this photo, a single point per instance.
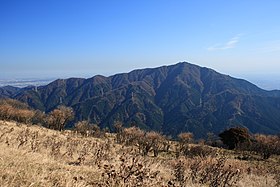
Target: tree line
pixel 56 119
pixel 236 138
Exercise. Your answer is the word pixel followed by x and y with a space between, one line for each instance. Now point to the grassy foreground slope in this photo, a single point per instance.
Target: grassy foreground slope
pixel 36 156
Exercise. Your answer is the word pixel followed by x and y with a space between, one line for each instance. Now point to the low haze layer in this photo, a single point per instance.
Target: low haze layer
pixel 81 39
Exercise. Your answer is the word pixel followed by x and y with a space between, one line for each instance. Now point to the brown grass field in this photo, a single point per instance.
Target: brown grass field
pixel 36 156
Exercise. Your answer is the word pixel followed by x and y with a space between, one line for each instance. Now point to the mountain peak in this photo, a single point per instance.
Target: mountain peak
pixel 171 99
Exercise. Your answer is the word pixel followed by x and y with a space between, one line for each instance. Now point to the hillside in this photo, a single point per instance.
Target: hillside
pixel 35 156
pixel 8 91
pixel 170 99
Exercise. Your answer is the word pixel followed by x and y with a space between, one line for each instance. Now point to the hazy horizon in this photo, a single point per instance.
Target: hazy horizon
pixel 267 82
pixel 61 39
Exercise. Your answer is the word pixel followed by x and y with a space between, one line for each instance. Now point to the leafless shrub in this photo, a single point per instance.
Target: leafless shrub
pixel 146 142
pixel 132 171
pixel 14 110
pixel 184 140
pixel 214 172
pixel 58 118
pixel 83 127
pixel 266 145
pixel 5 111
pixel 23 115
pixel 201 151
pixel 39 118
pixel 131 135
pixel 150 141
pixel 89 130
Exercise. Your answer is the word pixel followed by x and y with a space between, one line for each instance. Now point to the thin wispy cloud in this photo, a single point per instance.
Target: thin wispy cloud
pixel 228 45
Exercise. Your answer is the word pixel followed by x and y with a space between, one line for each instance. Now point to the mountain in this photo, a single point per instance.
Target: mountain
pixel 169 99
pixel 8 91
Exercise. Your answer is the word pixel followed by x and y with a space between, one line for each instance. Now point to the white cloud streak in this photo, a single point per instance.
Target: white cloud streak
pixel 228 45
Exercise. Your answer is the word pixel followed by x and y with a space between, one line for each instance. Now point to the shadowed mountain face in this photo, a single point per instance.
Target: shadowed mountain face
pixel 8 91
pixel 170 99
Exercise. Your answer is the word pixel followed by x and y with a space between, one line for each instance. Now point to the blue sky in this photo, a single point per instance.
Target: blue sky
pixel 67 38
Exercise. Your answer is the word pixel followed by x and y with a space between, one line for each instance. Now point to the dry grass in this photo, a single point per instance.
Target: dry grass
pixel 20 168
pixel 36 156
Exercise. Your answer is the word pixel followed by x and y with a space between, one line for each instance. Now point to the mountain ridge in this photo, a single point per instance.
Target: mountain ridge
pixel 170 99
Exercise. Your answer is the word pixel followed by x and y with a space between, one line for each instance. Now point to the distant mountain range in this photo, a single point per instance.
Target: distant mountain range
pixel 170 99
